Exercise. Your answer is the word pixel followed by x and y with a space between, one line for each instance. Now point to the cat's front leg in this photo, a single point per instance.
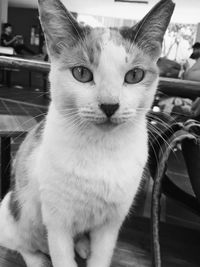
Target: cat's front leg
pixel 103 240
pixel 61 247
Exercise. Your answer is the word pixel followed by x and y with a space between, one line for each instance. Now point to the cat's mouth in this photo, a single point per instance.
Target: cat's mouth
pixel 107 124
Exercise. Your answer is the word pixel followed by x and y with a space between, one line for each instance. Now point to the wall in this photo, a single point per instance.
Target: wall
pixel 186 11
pixel 22 20
pixel 198 33
pixel 3 12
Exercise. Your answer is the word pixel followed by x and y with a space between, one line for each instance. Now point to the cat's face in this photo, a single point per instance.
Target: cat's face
pixel 103 76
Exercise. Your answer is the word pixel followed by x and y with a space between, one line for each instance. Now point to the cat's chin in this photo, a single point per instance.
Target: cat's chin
pixel 107 125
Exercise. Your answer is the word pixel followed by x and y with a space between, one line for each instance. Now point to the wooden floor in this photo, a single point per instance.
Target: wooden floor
pixel 180 247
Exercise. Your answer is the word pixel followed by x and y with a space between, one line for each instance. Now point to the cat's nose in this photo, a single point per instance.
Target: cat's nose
pixel 109 109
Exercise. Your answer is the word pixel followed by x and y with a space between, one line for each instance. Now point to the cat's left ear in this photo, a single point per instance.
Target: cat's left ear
pixel 59 26
pixel 149 32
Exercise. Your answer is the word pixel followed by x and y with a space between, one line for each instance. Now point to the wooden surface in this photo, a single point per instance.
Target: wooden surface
pixel 178 87
pixel 180 247
pixel 169 86
pixel 21 63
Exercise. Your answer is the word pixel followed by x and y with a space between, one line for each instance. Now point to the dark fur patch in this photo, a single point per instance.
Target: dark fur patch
pixel 14 206
pixel 94 53
pixel 93 43
pixel 127 33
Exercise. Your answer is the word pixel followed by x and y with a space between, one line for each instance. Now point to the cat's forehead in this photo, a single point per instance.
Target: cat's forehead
pixel 107 43
pixel 102 45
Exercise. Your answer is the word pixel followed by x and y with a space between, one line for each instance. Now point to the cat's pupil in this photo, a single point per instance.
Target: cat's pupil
pixel 134 73
pixel 81 71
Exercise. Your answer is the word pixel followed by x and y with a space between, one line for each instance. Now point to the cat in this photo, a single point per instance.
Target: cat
pixel 79 170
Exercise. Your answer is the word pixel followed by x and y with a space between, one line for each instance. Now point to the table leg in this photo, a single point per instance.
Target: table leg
pixel 8 78
pixel 5 164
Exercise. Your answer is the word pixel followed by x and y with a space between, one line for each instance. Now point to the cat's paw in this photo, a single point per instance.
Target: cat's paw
pixel 82 247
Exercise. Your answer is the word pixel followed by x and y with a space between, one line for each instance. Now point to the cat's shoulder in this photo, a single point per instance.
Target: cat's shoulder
pixel 32 140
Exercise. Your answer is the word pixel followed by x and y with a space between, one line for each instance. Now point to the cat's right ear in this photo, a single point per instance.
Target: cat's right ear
pixel 59 26
pixel 149 32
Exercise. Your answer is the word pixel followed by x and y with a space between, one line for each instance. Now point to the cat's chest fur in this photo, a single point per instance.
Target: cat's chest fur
pixel 88 185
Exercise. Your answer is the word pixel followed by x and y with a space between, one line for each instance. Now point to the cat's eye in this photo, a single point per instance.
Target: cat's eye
pixel 135 75
pixel 82 74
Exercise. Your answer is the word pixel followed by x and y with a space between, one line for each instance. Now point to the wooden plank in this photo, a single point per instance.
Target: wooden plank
pixel 20 63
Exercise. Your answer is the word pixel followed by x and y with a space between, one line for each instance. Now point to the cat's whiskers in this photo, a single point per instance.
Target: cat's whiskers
pixel 151 133
pixel 41 94
pixel 169 113
pixel 67 112
pixel 152 129
pixel 118 119
pixel 156 118
pixel 15 139
pixel 74 122
pixel 19 128
pixel 159 132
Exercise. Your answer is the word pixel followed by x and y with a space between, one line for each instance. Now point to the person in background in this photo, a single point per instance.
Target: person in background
pixel 193 73
pixel 8 40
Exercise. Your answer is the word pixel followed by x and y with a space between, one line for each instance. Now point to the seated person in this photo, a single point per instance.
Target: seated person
pixel 8 40
pixel 193 73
